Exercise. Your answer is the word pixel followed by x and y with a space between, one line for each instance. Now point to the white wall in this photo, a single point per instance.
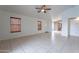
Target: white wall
pixel 49 25
pixel 28 25
pixel 72 12
pixel 74 28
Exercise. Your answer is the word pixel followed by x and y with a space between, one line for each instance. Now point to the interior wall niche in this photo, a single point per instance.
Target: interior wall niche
pixel 57 26
pixel 39 25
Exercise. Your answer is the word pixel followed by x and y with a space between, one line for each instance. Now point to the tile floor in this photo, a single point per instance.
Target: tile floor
pixel 41 43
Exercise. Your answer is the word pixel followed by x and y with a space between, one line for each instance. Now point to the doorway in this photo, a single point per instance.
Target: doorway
pixel 57 26
pixel 73 26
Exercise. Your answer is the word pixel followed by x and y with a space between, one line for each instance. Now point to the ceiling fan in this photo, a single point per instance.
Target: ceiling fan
pixel 43 8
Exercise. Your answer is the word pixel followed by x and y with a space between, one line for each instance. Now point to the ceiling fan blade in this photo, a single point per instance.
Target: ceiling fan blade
pixel 39 11
pixel 48 9
pixel 41 7
pixel 38 8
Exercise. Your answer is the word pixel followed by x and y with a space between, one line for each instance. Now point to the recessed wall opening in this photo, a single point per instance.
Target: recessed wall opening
pixel 58 26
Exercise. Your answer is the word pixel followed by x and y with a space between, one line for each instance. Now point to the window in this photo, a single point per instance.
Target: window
pixel 15 24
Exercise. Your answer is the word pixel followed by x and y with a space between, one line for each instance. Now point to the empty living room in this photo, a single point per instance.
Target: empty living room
pixel 39 29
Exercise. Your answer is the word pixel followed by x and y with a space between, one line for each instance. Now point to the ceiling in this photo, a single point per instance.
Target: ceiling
pixel 29 10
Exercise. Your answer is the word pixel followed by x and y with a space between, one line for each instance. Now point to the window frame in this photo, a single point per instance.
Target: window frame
pixel 19 25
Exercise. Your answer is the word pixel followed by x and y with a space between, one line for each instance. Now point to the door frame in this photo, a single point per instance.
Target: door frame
pixel 69 25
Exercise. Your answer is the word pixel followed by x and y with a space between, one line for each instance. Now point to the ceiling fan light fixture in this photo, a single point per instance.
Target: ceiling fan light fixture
pixel 77 18
pixel 42 10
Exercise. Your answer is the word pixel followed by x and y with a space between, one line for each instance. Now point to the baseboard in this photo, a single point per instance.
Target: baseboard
pixel 74 36
pixel 22 36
